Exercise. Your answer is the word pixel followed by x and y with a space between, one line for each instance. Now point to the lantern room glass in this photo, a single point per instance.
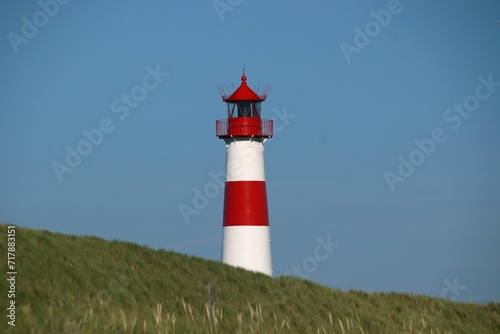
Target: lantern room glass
pixel 243 109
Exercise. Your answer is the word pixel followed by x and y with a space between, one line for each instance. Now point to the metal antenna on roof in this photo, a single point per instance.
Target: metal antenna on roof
pixel 222 92
pixel 266 90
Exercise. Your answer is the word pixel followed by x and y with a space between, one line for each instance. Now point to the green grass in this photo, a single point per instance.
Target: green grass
pixel 69 284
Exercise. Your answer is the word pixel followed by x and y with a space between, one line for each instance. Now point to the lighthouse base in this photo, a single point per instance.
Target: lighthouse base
pixel 248 247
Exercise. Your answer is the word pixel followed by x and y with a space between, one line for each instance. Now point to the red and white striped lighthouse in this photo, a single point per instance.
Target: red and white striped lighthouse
pixel 246 238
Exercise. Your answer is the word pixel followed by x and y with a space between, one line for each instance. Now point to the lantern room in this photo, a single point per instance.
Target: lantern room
pixel 244 114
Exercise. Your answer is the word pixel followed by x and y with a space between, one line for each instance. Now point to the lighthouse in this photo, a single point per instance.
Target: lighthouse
pixel 246 237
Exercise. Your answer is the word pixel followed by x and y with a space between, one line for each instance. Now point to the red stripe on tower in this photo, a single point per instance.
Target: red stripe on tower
pixel 245 204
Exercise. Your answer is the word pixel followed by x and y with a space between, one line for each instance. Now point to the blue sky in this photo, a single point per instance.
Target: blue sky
pixel 355 84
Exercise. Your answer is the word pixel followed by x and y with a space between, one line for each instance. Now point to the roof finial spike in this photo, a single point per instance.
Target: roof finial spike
pixel 243 77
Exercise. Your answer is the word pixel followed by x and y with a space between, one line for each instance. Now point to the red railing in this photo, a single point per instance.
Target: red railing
pixel 244 127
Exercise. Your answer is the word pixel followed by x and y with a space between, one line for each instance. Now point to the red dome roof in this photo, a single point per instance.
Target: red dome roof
pixel 244 93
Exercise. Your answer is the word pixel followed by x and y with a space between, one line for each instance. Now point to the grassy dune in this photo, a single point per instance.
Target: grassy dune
pixel 69 284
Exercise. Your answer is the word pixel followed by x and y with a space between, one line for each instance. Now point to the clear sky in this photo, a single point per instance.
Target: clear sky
pixel 387 145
